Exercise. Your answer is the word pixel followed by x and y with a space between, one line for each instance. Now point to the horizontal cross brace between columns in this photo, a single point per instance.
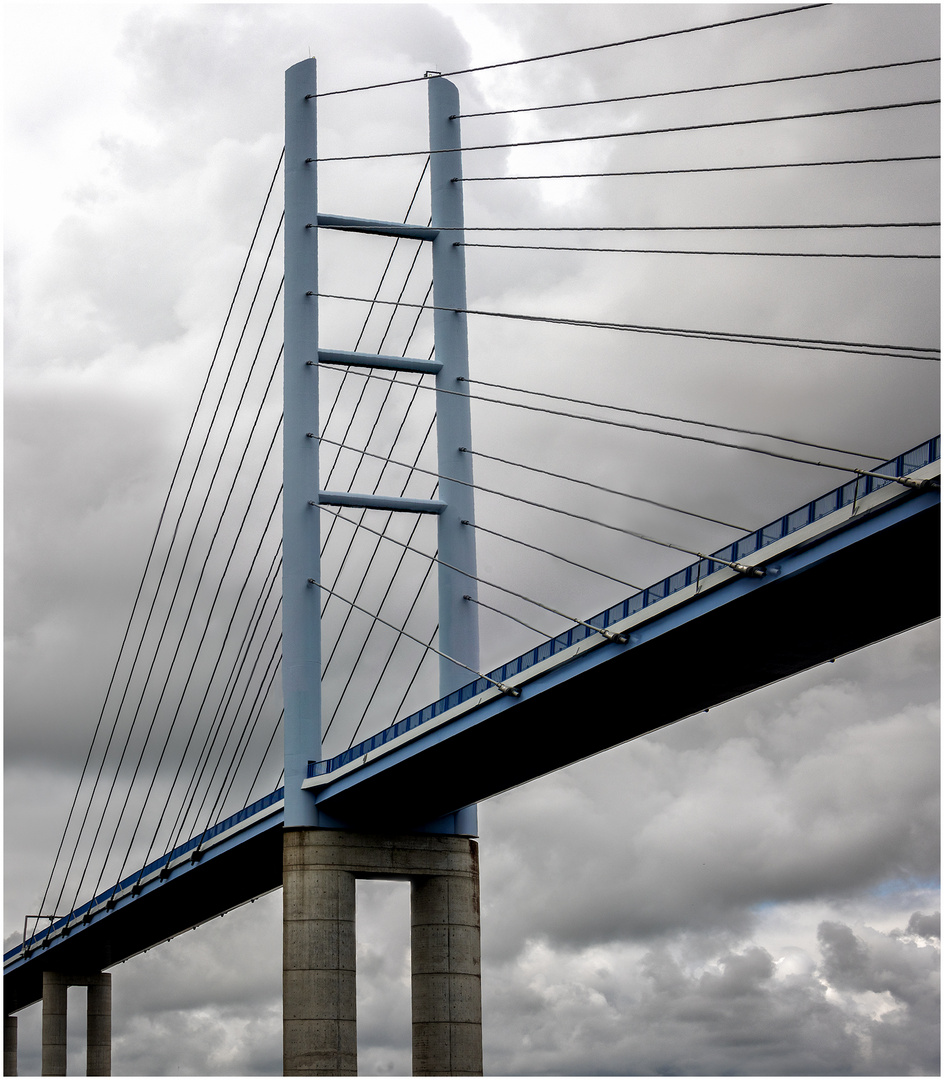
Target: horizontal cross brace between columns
pixel 381 228
pixel 380 502
pixel 373 360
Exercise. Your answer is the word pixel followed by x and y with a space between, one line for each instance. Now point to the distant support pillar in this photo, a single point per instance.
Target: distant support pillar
pixel 55 1008
pixel 9 1046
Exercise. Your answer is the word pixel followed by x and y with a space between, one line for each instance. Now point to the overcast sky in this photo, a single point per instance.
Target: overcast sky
pixel 754 891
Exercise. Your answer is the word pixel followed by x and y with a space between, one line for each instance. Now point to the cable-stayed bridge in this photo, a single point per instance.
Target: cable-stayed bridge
pixel 498 727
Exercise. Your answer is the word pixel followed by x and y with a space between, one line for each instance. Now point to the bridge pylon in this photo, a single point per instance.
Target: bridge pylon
pixel 321 858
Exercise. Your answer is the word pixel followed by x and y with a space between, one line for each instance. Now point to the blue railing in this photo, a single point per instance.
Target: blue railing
pixel 790 523
pixel 140 875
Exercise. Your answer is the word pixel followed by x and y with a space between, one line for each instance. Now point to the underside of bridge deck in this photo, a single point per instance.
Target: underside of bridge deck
pixel 207 890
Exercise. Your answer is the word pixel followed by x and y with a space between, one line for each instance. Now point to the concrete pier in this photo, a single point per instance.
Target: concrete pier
pixel 9 1046
pixel 319 991
pixel 319 1002
pixel 446 973
pixel 98 1037
pixel 55 1008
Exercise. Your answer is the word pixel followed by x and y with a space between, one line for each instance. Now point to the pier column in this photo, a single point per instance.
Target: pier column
pixel 446 969
pixel 9 1046
pixel 319 872
pixel 319 999
pixel 55 1005
pixel 98 1044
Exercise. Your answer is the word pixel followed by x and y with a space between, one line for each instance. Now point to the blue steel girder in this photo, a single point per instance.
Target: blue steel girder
pixel 714 641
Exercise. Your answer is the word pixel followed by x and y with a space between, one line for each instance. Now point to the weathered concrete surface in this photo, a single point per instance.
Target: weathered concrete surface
pixel 98 1038
pixel 446 973
pixel 9 1046
pixel 55 1006
pixel 320 867
pixel 319 1004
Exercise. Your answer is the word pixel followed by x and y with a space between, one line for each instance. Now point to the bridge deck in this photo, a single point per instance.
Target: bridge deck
pixel 855 575
pixel 849 586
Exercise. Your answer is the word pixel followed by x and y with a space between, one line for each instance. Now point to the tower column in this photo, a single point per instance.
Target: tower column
pixel 301 530
pixel 458 618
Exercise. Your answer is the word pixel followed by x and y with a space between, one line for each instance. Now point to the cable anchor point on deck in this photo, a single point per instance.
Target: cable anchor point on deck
pixel 748 571
pixel 905 481
pixel 919 485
